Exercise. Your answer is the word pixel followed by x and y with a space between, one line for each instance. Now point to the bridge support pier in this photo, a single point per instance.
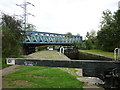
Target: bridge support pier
pixel 28 49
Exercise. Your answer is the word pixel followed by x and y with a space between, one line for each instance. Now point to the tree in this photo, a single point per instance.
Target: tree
pixel 90 41
pixel 78 34
pixel 69 33
pixel 107 18
pixel 109 35
pixel 91 34
pixel 11 36
pixel 30 27
pixel 116 27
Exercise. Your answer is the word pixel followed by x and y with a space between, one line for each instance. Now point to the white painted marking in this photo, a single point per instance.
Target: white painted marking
pixel 10 61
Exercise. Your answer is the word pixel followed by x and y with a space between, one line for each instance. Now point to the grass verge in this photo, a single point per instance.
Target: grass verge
pixel 109 54
pixel 41 77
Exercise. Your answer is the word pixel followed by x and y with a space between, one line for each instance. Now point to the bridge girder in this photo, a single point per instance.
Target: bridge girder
pixel 32 37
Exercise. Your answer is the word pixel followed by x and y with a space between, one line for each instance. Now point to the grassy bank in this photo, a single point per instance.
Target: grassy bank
pixel 109 54
pixel 40 77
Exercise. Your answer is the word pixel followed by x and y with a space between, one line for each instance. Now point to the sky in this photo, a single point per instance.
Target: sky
pixel 62 16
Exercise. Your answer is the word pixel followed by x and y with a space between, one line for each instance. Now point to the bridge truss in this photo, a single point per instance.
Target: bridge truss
pixel 33 37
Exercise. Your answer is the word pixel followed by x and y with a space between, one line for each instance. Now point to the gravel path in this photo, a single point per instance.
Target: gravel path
pixel 8 70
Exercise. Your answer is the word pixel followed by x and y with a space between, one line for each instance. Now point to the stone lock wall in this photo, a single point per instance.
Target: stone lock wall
pixel 90 56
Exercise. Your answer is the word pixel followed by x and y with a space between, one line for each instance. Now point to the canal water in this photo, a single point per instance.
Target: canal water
pixel 75 54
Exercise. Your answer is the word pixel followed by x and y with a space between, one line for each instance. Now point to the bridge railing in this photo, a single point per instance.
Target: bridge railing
pixel 50 38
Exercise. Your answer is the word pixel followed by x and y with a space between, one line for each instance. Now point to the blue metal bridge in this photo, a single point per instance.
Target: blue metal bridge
pixel 34 37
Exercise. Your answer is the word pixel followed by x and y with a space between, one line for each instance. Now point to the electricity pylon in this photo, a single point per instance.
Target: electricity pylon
pixel 25 15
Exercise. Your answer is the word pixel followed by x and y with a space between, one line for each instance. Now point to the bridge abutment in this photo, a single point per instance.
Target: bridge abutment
pixel 28 49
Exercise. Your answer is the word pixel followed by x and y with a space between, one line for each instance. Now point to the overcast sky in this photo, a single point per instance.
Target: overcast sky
pixel 62 16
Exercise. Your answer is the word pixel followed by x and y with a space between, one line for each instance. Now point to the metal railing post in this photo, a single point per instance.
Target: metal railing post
pixel 116 53
pixel 115 57
pixel 62 50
